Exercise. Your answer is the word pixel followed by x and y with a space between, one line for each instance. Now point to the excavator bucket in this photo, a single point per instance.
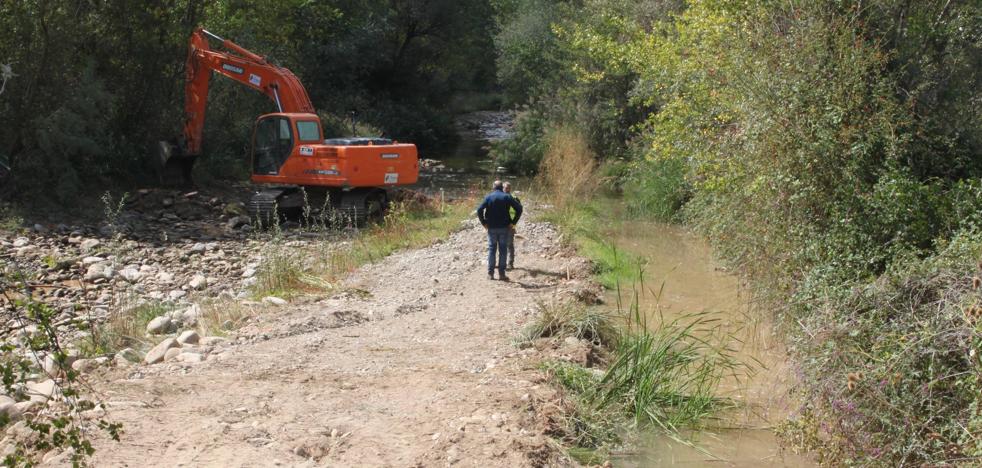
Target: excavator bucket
pixel 172 165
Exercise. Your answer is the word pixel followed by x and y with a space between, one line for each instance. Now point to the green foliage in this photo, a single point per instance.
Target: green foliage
pixel 657 188
pixel 895 375
pixel 522 153
pixel 826 148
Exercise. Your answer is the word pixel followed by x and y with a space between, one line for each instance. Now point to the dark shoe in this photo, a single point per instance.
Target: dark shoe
pixel 502 277
pixel 491 276
pixel 511 266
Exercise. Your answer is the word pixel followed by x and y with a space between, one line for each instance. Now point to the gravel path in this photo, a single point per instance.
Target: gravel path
pixel 413 365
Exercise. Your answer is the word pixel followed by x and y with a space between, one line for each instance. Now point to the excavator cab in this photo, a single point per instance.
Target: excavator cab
pixel 272 144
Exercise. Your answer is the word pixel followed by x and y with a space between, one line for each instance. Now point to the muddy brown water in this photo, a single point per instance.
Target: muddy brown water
pixel 682 278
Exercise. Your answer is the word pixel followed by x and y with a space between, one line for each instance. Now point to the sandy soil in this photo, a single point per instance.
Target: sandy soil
pixel 413 365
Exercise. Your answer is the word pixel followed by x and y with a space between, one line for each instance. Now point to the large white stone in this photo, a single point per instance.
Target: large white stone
pixel 159 325
pixel 89 244
pixel 42 391
pixel 274 301
pixel 188 337
pixel 198 282
pixel 157 353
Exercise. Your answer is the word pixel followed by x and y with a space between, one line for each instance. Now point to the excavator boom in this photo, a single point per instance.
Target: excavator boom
pixel 175 159
pixel 252 70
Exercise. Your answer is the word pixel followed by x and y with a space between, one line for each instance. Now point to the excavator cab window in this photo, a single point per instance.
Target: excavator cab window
pixel 308 131
pixel 272 144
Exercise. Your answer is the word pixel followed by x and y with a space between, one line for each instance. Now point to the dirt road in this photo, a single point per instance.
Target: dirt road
pixel 413 365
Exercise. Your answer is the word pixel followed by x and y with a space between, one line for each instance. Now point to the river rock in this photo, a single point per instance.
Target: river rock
pixel 189 337
pixel 91 260
pixel 6 405
pixel 248 272
pixel 190 357
pixel 130 274
pixel 156 354
pixel 21 242
pixel 198 248
pixel 83 366
pixel 273 300
pixel 41 392
pixel 237 221
pixel 89 244
pixel 177 294
pixel 160 325
pixel 127 356
pixel 165 277
pixel 189 317
pixel 171 354
pixel 17 411
pixel 99 271
pixel 53 367
pixel 198 282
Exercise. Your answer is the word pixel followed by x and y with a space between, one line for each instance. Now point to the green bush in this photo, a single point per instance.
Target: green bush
pixel 658 188
pixel 893 365
pixel 523 152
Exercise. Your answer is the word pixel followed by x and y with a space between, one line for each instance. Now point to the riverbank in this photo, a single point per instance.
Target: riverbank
pixel 665 274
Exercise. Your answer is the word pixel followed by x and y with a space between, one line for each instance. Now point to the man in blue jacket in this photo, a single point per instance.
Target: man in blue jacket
pixel 495 215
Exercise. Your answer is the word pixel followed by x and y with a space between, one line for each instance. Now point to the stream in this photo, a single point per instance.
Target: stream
pixel 681 278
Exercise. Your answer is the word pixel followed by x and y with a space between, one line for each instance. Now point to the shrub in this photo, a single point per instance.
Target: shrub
pixel 568 167
pixel 892 367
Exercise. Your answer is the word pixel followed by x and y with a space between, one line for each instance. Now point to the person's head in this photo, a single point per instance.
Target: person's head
pixel 498 185
pixel 506 187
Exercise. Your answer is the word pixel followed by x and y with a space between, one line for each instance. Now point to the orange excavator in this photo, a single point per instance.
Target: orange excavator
pixel 290 156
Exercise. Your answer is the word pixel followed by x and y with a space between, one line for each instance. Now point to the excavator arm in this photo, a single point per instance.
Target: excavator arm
pixel 238 64
pixel 175 159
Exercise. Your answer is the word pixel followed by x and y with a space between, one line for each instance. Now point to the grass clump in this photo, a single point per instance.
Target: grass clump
pixel 585 228
pixel 662 378
pixel 564 319
pixel 126 327
pixel 287 270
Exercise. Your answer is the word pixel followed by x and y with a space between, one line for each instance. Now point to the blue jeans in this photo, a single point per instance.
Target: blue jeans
pixel 497 243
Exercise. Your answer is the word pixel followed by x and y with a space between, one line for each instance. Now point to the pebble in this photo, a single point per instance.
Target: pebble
pixel 131 275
